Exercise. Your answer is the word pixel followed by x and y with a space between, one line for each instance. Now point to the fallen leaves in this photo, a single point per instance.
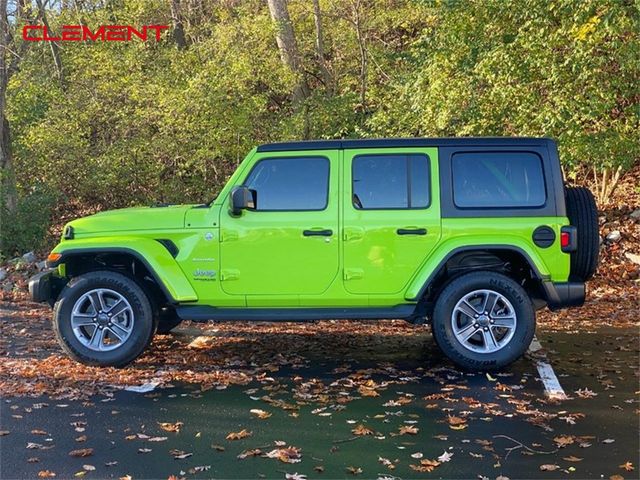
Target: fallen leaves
pixel 253 452
pixel 238 435
pixel 386 462
pixel 457 423
pixel 286 455
pixel 408 430
pixel 572 459
pixel 628 466
pixel 425 465
pixel 362 430
pixel 170 427
pixel 369 389
pixel 564 440
pixel 295 476
pixel 548 467
pixel 179 454
pixel 46 474
pixel 201 343
pixel 585 393
pixel 261 414
pixel 82 452
pixel 445 457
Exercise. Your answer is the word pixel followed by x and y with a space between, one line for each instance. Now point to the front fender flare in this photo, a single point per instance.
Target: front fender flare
pixel 156 258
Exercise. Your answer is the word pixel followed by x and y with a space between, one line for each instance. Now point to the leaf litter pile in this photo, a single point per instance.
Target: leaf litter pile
pixel 326 369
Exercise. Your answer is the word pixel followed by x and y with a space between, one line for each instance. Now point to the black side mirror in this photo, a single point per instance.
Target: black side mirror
pixel 242 198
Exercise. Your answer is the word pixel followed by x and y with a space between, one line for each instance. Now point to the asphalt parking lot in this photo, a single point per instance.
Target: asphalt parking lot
pixel 346 401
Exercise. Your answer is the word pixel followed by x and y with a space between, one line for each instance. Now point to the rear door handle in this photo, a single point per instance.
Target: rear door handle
pixel 317 233
pixel 411 231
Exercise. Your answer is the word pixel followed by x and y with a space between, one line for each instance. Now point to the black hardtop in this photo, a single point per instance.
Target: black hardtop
pixel 343 144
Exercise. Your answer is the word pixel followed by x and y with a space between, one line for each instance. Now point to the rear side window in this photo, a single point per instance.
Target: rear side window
pixel 498 180
pixel 390 182
pixel 293 183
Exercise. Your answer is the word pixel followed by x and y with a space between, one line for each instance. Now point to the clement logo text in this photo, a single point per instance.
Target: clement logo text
pixel 104 33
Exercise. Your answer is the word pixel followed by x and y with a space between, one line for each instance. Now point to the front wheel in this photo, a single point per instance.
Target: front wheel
pixel 103 318
pixel 483 321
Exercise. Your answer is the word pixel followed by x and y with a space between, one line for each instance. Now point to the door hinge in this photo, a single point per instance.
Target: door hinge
pixel 229 274
pixel 352 233
pixel 228 235
pixel 353 273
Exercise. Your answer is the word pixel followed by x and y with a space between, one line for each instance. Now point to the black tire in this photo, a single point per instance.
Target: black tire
pixel 513 349
pixel 143 324
pixel 583 214
pixel 168 319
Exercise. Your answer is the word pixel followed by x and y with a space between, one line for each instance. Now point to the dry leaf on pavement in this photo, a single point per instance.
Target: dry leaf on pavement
pixel 170 427
pixel 239 435
pixel 83 452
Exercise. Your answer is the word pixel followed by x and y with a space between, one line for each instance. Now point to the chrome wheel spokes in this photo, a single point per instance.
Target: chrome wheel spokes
pixel 483 321
pixel 102 319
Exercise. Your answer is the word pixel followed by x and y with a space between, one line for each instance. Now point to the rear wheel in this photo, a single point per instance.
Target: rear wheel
pixel 103 318
pixel 583 214
pixel 483 321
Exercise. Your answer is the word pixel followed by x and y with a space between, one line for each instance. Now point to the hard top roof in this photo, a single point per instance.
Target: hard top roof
pixel 403 142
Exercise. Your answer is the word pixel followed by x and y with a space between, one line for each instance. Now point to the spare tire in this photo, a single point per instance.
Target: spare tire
pixel 583 214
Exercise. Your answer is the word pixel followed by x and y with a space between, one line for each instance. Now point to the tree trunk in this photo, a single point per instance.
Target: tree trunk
pixel 7 176
pixel 357 22
pixel 286 40
pixel 327 78
pixel 55 48
pixel 178 25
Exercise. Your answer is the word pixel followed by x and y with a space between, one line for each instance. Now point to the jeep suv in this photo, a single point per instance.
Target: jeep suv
pixel 471 234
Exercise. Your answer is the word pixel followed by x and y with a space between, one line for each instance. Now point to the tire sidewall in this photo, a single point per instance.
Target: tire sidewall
pixel 143 318
pixel 458 288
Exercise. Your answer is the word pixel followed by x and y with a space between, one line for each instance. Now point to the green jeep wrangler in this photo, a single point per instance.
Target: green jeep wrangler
pixel 472 234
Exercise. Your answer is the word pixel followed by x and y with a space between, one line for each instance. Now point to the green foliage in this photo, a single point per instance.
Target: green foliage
pixel 564 69
pixel 139 122
pixel 26 229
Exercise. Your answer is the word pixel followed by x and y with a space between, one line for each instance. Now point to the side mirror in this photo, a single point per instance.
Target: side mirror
pixel 241 198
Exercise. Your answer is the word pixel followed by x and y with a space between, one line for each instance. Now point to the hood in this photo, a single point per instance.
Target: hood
pixel 128 219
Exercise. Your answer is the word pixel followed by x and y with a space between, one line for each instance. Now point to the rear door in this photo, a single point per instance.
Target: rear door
pixel 391 216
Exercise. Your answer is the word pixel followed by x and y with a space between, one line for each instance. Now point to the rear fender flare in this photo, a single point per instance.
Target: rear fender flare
pixel 438 260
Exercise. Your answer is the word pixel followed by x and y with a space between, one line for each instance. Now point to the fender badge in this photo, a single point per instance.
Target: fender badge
pixel 208 236
pixel 199 273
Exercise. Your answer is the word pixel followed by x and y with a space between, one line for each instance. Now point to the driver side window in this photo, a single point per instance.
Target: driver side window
pixel 290 184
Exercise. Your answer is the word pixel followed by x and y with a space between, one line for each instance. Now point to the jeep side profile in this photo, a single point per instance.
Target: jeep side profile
pixel 472 235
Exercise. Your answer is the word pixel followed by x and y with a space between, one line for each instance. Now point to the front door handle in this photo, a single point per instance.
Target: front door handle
pixel 411 231
pixel 317 233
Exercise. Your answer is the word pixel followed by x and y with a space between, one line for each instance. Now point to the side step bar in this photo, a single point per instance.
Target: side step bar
pixel 205 313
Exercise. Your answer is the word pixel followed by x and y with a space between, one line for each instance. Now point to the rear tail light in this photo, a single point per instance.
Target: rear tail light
pixel 569 239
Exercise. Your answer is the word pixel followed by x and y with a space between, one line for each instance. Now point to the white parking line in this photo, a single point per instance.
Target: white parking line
pixel 552 386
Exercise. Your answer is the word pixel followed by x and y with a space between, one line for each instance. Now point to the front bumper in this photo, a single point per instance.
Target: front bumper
pixel 45 286
pixel 564 295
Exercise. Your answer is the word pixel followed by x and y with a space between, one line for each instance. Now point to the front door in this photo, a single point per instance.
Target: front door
pixel 391 217
pixel 288 245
